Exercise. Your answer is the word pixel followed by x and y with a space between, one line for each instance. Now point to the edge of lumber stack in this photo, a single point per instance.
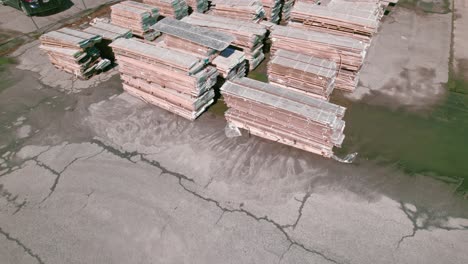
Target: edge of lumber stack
pixel 272 10
pixel 286 11
pixel 200 6
pixel 172 80
pixel 284 116
pixel 230 64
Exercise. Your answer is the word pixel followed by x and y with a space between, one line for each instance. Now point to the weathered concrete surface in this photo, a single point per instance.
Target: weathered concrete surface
pixel 13 19
pixel 105 178
pixel 407 65
pixel 137 202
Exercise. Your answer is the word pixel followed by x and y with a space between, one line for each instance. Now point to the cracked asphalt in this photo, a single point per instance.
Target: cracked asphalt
pixel 102 177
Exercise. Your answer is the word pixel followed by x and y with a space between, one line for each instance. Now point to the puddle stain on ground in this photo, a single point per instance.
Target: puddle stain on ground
pixel 431 142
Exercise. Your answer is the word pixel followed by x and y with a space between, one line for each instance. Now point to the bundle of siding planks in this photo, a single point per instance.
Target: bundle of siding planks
pixel 108 31
pixel 249 36
pixel 250 10
pixel 135 16
pixel 230 64
pixel 200 6
pixel 170 8
pixel 357 20
pixel 347 53
pixel 303 73
pixel 284 116
pixel 272 10
pixel 74 51
pixel 172 80
pixel 286 8
pixel 192 39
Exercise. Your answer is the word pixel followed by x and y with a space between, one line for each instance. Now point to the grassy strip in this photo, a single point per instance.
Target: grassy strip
pixel 434 7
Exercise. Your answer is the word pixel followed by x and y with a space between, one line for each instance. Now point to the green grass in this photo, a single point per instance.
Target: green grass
pixel 433 144
pixel 4 81
pixel 11 46
pixel 258 76
pixel 434 6
pixel 219 107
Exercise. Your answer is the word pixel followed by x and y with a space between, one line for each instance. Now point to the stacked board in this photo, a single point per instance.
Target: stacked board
pixel 74 51
pixel 286 11
pixel 347 53
pixel 230 64
pixel 135 16
pixel 195 40
pixel 249 36
pixel 172 80
pixel 284 115
pixel 108 31
pixel 250 10
pixel 357 20
pixel 200 6
pixel 170 8
pixel 303 73
pixel 272 10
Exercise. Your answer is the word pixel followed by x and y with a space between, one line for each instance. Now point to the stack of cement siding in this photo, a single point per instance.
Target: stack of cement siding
pixel 175 81
pixel 195 40
pixel 284 115
pixel 348 53
pixel 170 8
pixel 310 75
pixel 286 11
pixel 74 51
pixel 357 20
pixel 249 36
pixel 272 10
pixel 230 64
pixel 383 3
pixel 200 6
pixel 108 31
pixel 135 16
pixel 250 10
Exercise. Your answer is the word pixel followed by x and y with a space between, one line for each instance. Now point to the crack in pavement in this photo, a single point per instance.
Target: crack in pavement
pixel 11 199
pixel 284 253
pixel 127 155
pixel 88 195
pixel 58 175
pixel 427 220
pixel 258 219
pixel 19 243
pixel 299 216
pixel 12 169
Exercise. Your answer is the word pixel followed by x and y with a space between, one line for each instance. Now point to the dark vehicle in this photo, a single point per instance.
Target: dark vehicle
pixel 32 7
